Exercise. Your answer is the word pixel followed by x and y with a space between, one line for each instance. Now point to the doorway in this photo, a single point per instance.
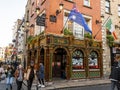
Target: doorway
pixel 59 64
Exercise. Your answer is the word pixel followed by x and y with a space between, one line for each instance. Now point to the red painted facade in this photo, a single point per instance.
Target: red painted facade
pixel 50 7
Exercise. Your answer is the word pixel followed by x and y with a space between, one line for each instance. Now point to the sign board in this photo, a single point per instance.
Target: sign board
pixel 41 20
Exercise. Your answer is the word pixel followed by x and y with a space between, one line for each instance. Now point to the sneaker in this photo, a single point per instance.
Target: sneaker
pixel 42 85
pixel 39 85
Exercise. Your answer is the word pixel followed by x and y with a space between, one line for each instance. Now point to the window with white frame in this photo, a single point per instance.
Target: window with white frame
pixel 76 29
pixel 119 10
pixel 107 6
pixel 87 2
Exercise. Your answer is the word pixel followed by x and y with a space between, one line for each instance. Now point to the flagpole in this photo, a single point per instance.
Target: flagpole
pixel 62 31
pixel 101 28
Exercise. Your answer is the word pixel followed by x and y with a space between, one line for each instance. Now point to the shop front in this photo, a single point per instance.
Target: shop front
pixel 65 57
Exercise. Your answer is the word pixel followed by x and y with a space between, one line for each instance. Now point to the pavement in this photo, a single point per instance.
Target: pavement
pixel 59 84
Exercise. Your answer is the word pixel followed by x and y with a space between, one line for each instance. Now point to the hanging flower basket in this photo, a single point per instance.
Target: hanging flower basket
pixel 110 40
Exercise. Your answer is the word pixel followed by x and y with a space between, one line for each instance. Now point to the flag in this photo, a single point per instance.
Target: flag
pixel 110 27
pixel 77 17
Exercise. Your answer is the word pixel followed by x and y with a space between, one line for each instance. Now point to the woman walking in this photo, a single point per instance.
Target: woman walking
pixel 30 75
pixel 19 75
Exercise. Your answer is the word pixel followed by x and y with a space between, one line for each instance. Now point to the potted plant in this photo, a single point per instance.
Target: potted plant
pixel 67 32
pixel 88 35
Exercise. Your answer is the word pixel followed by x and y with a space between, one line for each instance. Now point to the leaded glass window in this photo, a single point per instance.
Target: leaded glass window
pixel 77 60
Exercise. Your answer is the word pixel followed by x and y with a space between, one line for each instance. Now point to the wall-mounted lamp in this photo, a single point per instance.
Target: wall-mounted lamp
pixel 60 8
pixel 24 30
pixel 102 19
pixel 97 21
pixel 37 10
pixel 27 23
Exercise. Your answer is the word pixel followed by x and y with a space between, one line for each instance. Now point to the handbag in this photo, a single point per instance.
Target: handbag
pixel 3 76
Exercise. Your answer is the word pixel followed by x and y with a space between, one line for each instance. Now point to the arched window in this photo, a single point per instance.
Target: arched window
pixel 93 60
pixel 77 60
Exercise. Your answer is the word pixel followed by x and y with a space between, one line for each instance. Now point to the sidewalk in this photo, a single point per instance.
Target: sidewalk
pixel 71 83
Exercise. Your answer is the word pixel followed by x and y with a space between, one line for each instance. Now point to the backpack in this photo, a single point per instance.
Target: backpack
pixel 31 74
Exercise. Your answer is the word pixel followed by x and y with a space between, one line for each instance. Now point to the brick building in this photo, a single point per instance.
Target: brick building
pixel 64 56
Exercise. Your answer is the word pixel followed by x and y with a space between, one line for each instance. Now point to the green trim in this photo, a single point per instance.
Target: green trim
pixel 50 76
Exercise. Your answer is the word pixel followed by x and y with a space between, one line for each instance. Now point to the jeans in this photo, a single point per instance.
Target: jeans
pixel 9 81
pixel 115 84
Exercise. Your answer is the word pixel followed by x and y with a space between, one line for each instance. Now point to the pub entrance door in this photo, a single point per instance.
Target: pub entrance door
pixel 59 64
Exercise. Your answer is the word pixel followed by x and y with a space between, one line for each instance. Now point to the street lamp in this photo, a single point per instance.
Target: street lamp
pixel 27 23
pixel 102 19
pixel 25 30
pixel 97 22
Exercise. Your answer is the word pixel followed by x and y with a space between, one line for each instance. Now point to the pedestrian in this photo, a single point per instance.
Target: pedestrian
pixel 115 76
pixel 9 77
pixel 41 75
pixel 30 75
pixel 2 73
pixel 19 75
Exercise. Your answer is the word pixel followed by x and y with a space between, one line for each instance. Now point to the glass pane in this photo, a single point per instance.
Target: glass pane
pixel 78 31
pixel 107 4
pixel 93 60
pixel 65 19
pixel 77 60
pixel 87 2
pixel 118 8
pixel 70 26
pixel 107 10
pixel 118 13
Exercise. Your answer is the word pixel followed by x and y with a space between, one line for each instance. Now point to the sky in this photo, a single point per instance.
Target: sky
pixel 10 11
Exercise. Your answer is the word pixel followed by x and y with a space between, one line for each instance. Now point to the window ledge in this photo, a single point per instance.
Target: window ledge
pixel 108 13
pixel 69 1
pixel 94 69
pixel 78 70
pixel 87 6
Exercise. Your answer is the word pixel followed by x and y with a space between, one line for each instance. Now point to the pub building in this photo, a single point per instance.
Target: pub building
pixel 65 56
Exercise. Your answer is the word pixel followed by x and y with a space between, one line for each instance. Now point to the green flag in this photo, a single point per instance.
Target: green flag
pixel 109 25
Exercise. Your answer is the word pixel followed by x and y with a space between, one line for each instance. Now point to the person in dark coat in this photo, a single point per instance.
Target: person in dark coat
pixel 115 76
pixel 41 75
pixel 30 75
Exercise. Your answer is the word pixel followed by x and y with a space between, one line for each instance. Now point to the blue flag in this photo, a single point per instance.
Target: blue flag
pixel 77 17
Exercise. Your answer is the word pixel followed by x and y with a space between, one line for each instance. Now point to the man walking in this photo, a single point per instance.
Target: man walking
pixel 115 76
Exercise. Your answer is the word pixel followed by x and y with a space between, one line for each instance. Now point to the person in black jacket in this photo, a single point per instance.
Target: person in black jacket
pixel 115 76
